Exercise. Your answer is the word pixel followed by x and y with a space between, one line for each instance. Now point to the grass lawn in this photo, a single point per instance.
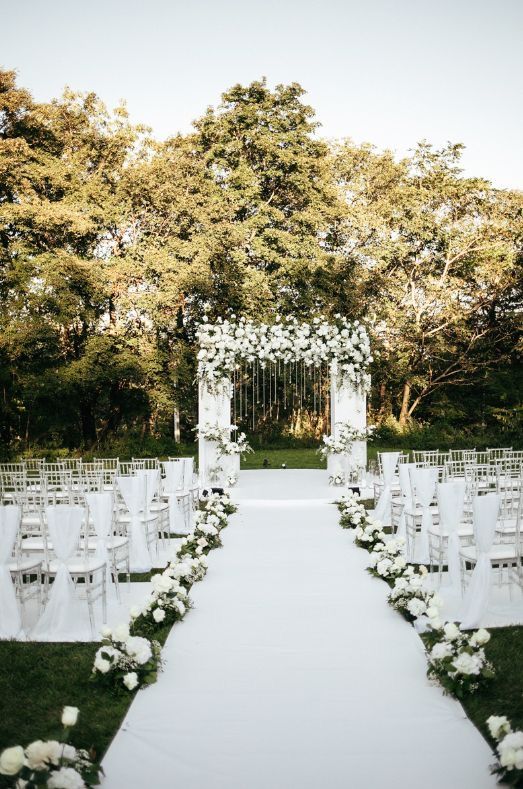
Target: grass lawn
pixel 38 679
pixel 295 457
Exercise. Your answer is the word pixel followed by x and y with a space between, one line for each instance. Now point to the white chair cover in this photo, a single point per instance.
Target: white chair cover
pixel 389 461
pixel 64 618
pixel 404 471
pixel 485 511
pixel 173 483
pixel 152 483
pixel 424 481
pixel 451 500
pixel 133 493
pixel 10 619
pixel 101 512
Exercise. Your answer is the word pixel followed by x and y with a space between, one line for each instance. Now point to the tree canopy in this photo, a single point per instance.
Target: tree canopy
pixel 114 245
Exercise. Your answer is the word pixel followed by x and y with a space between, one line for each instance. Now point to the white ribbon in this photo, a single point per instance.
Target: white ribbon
pixel 451 500
pixel 424 480
pixel 133 490
pixel 485 511
pixel 389 461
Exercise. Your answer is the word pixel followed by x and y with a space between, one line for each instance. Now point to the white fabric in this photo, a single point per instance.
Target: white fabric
pixel 152 482
pixel 133 491
pixel 10 619
pixel 451 500
pixel 485 511
pixel 101 512
pixel 424 481
pixel 293 671
pixel 64 617
pixel 173 483
pixel 404 470
pixel 389 461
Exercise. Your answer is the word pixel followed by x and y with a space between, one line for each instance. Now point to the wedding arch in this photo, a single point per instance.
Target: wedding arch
pixel 338 348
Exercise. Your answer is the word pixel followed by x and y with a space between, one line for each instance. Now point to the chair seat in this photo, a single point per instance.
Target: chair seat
pixel 76 565
pixel 498 553
pixel 31 520
pixel 33 545
pixel 124 518
pixel 158 506
pixel 115 542
pixel 463 530
pixel 24 565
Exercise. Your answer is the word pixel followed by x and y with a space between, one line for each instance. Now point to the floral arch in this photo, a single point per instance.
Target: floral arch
pixel 340 347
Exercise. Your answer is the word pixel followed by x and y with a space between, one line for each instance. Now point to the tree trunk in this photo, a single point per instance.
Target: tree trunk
pixel 88 424
pixel 404 413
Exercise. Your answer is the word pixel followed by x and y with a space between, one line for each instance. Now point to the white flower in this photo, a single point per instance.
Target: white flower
pixel 161 583
pixel 38 755
pixel 510 751
pixel 416 607
pixel 441 650
pixel 130 680
pixel 70 716
pixel 158 614
pixel 180 606
pixel 479 638
pixel 121 633
pixel 101 664
pixel 138 648
pixel 134 612
pixel 451 631
pixel 467 664
pixel 65 778
pixel 498 725
pixel 12 760
pixel 106 632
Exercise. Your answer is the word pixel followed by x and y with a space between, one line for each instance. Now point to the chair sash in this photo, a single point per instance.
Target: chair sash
pixel 451 500
pixel 10 619
pixel 133 490
pixel 64 618
pixel 424 481
pixel 404 470
pixel 485 511
pixel 389 461
pixel 101 512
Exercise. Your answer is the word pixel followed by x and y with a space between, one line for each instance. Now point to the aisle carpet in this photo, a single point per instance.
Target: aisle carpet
pixel 293 672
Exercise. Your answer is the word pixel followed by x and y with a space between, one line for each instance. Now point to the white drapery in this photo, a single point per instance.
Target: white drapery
pixel 451 500
pixel 424 481
pixel 172 485
pixel 101 512
pixel 404 471
pixel 64 618
pixel 485 511
pixel 389 461
pixel 10 619
pixel 133 490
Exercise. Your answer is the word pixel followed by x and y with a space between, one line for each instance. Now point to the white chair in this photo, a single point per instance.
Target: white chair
pixel 424 486
pixel 10 618
pixel 131 511
pixel 382 511
pixel 73 573
pixel 178 495
pixel 109 548
pixel 447 535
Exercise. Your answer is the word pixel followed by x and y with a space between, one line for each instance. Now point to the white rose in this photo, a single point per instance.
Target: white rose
pixel 138 648
pixel 12 760
pixel 106 632
pixel 498 725
pixel 466 664
pixel 440 651
pixel 510 751
pixel 135 612
pixel 416 607
pixel 180 606
pixel 65 778
pixel 451 631
pixel 130 680
pixel 37 755
pixel 479 638
pixel 70 716
pixel 102 665
pixel 158 615
pixel 121 633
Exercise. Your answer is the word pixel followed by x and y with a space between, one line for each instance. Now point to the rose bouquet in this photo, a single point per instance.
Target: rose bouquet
pixel 126 661
pixel 189 570
pixel 457 659
pixel 387 559
pixel 48 763
pixel 509 750
pixel 353 513
pixel 369 534
pixel 167 604
pixel 410 597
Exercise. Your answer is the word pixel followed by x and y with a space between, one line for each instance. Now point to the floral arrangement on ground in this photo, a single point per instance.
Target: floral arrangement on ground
pixel 49 763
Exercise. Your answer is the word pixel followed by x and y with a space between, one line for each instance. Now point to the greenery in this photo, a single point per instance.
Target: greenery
pixel 114 245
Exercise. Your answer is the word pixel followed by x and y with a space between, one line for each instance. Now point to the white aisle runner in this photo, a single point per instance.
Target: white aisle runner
pixel 293 672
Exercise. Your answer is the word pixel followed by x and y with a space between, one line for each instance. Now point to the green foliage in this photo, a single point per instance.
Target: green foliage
pixel 113 246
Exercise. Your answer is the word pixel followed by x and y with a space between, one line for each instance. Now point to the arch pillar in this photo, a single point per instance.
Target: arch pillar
pixel 348 406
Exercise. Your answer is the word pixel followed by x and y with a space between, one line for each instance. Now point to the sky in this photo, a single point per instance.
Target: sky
pixel 389 72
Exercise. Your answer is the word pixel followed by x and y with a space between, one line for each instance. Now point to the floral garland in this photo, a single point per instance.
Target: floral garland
pixel 457 660
pixel 347 435
pixel 50 763
pixel 413 600
pixel 509 750
pixel 167 604
pixel 126 660
pixel 369 535
pixel 353 513
pixel 224 343
pixel 220 435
